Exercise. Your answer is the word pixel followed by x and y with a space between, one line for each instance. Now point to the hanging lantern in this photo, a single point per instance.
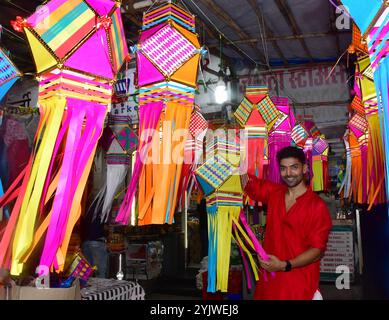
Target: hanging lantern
pixel 168 54
pixel 279 136
pixel 372 19
pixel 321 180
pixel 256 115
pixel 75 90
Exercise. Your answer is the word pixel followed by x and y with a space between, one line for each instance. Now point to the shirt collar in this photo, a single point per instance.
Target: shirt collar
pixel 307 193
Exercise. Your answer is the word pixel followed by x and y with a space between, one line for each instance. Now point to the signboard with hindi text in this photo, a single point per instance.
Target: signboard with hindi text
pixel 317 84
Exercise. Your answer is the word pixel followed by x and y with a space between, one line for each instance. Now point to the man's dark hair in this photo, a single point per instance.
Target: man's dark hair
pixel 291 152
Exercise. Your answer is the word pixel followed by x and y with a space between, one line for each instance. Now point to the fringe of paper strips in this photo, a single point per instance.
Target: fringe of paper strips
pixel 193 156
pixel 167 80
pixel 75 90
pixel 119 141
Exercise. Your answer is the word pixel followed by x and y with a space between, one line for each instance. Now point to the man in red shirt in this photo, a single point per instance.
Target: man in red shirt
pixel 297 229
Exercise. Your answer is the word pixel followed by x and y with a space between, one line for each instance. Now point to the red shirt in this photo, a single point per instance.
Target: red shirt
pixel 287 235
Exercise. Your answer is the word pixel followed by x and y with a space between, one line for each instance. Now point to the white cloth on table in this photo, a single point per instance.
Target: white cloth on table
pixel 112 289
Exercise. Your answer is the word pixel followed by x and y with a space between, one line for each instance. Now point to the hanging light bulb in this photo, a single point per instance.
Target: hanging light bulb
pixel 221 94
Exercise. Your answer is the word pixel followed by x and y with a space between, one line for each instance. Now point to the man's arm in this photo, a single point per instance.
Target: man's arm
pixel 258 189
pixel 306 258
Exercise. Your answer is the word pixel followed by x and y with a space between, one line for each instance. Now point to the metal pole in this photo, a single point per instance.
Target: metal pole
pixel 186 228
pixel 360 264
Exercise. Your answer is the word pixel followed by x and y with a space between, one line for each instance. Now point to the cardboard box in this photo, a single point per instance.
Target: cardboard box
pixel 33 293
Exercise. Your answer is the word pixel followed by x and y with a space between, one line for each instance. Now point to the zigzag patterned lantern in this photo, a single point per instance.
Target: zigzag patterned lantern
pixel 75 89
pixel 321 179
pixel 304 135
pixel 256 114
pixel 279 136
pixel 168 55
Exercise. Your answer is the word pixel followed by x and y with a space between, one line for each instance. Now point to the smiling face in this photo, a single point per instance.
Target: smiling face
pixel 292 171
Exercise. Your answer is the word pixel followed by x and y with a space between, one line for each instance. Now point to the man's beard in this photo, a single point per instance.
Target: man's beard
pixel 292 181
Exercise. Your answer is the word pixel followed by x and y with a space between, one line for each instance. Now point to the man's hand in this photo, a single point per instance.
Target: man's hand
pixel 273 264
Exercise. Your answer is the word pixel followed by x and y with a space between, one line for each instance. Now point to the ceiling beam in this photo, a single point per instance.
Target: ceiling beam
pixel 293 37
pixel 288 15
pixel 229 21
pixel 131 14
pixel 128 6
pixel 260 16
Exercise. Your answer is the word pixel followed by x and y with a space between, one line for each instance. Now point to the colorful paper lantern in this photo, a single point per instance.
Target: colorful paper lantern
pixel 63 33
pixel 221 184
pixel 256 114
pixel 75 90
pixel 364 179
pixel 168 54
pixel 372 19
pixel 279 136
pixel 321 179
